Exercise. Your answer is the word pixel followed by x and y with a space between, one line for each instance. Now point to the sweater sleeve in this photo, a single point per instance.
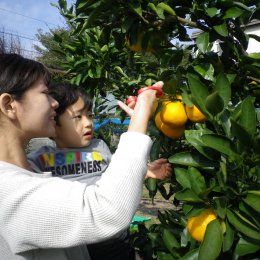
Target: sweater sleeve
pixel 38 212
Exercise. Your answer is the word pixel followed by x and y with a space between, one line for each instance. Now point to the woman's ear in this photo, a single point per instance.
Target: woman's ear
pixel 7 106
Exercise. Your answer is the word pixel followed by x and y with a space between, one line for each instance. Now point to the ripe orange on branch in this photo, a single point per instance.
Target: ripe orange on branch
pixel 137 44
pixel 197 225
pixel 168 130
pixel 194 114
pixel 173 113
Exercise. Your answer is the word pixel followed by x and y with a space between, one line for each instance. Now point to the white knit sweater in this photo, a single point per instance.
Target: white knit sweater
pixel 41 216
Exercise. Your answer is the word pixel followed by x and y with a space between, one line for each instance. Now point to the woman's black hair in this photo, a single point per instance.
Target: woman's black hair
pixel 67 95
pixel 18 74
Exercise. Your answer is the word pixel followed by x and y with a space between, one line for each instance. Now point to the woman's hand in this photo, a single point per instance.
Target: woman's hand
pixel 129 108
pixel 159 169
pixel 140 112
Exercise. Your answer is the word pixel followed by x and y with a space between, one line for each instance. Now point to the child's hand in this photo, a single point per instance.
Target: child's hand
pixel 159 169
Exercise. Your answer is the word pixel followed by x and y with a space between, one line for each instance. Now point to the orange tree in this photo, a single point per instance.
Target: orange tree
pixel 119 46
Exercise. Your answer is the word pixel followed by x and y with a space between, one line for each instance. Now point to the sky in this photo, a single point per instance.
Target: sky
pixel 25 17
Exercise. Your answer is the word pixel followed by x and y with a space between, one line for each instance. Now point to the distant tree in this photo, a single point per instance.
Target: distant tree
pixel 10 43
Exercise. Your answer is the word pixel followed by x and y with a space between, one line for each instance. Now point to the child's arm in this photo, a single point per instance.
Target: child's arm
pixel 159 169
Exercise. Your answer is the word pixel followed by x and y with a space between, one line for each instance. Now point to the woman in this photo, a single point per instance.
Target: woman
pixel 52 218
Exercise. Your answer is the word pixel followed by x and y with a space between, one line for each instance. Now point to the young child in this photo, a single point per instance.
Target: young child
pixel 79 156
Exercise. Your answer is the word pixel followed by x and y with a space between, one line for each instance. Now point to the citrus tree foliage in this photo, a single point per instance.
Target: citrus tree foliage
pixel 119 46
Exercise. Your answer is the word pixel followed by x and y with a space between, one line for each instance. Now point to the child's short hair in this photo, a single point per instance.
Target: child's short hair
pixel 67 95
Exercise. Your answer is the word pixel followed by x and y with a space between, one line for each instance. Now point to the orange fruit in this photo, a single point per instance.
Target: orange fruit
pixel 137 45
pixel 173 113
pixel 178 96
pixel 168 130
pixel 194 114
pixel 197 225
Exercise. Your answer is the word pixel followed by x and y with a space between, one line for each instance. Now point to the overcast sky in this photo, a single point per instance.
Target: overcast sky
pixel 25 17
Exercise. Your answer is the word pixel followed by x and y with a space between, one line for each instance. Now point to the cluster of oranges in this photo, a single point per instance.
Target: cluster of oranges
pixel 173 116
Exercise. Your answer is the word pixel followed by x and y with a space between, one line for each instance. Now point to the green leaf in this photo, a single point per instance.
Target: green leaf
pixel 163 256
pixel 254 55
pixel 205 70
pixel 244 247
pixel 214 103
pixel 104 48
pixel 243 6
pixel 195 211
pixel 77 79
pixel 152 7
pixel 232 13
pixel 211 11
pixel 248 115
pixel 249 213
pixel 199 92
pixel 187 195
pixel 182 177
pixel 93 16
pixel 220 143
pixel 253 200
pixel 166 8
pixel 198 183
pixel 191 255
pixel 212 242
pixel 57 37
pixel 79 62
pixel 228 237
pixel 220 206
pixel 241 133
pixel 192 159
pixel 221 29
pixel 222 86
pixel 137 8
pixel 169 240
pixel 226 122
pixel 242 226
pixel 202 42
pixel 194 138
pixel 62 4
pixel 155 238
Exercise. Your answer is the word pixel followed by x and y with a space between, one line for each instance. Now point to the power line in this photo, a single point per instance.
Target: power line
pixel 29 17
pixel 29 51
pixel 20 36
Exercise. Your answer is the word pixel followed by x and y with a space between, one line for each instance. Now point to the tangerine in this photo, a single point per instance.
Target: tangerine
pixel 173 113
pixel 168 130
pixel 194 114
pixel 197 225
pixel 137 46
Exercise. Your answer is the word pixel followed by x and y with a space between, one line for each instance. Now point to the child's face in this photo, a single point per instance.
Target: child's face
pixel 75 127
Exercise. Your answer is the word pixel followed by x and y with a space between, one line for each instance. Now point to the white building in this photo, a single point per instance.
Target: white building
pixel 253 45
pixel 253 28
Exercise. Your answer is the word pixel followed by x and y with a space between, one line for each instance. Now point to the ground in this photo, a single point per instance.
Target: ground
pixel 147 209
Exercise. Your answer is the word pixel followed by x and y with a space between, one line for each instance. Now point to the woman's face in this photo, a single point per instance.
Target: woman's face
pixel 36 112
